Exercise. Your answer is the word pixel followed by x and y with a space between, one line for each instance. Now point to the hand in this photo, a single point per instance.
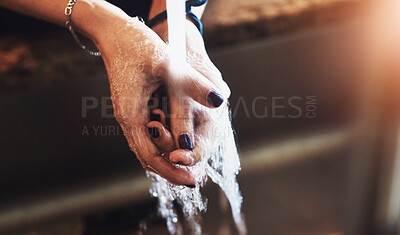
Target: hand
pixel 137 64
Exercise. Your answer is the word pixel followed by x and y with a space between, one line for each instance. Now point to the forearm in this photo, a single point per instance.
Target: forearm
pixel 88 16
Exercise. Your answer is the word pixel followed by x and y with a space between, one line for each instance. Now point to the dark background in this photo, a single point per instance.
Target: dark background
pixel 13 22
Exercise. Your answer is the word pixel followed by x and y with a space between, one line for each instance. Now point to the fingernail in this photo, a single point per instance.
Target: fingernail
pixel 215 99
pixel 153 131
pixel 190 185
pixel 155 117
pixel 185 142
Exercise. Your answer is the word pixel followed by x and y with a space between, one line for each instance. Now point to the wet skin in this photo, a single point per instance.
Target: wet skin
pixel 133 80
pixel 137 63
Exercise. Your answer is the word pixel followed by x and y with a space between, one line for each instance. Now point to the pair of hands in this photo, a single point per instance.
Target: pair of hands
pixel 137 62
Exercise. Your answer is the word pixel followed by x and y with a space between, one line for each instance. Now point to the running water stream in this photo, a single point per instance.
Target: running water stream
pixel 219 156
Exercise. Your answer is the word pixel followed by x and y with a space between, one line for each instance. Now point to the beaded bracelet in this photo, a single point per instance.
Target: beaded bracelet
pixel 68 12
pixel 189 4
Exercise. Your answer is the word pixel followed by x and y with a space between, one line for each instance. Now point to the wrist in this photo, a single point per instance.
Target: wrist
pixel 94 18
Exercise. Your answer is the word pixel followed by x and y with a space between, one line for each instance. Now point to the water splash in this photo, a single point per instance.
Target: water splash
pixel 191 201
pixel 222 165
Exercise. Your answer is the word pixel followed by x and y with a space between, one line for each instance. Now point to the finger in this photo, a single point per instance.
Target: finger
pixel 161 136
pixel 200 61
pixel 206 68
pixel 164 141
pixel 158 115
pixel 202 90
pixel 216 78
pixel 149 156
pixel 196 86
pixel 181 121
pixel 172 173
pixel 182 156
pixel 192 83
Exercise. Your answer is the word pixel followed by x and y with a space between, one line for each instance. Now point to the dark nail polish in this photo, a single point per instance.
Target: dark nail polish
pixel 185 142
pixel 155 117
pixel 190 185
pixel 153 131
pixel 215 99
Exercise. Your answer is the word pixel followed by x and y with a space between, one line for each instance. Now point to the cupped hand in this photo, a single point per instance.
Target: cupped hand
pixel 137 64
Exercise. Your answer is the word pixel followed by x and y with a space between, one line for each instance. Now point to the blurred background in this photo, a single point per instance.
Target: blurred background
pixel 315 104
